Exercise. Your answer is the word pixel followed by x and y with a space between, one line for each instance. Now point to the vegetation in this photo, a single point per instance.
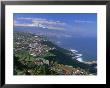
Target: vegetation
pixel 36 55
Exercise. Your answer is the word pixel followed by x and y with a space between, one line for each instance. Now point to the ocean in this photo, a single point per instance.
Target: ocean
pixel 86 46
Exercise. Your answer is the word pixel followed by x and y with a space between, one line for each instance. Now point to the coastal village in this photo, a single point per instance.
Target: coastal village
pixel 31 50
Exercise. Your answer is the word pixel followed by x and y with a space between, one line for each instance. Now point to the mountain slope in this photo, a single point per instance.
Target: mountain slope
pixel 37 55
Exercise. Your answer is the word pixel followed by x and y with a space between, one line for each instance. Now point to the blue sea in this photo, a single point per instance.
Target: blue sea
pixel 87 46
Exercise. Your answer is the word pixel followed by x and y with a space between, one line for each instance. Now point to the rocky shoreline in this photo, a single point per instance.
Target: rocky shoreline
pixel 80 59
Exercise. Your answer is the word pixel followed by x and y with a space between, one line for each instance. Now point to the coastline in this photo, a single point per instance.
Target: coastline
pixel 80 59
pixel 78 56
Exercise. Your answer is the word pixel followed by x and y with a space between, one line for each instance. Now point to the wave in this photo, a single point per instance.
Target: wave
pixel 78 56
pixel 80 59
pixel 74 51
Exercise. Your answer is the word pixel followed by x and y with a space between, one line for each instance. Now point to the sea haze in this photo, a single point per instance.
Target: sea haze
pixel 87 46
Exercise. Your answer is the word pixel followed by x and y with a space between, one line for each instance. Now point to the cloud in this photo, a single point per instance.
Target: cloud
pixel 56 28
pixel 83 21
pixel 24 25
pixel 16 22
pixel 48 22
pixel 40 22
pixel 23 18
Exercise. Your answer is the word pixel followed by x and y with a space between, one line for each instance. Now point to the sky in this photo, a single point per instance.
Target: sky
pixel 81 24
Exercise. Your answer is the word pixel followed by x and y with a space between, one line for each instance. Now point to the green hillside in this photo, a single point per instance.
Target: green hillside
pixel 36 55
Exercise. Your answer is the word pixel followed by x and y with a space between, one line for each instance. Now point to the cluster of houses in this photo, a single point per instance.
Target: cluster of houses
pixel 39 49
pixel 36 48
pixel 69 70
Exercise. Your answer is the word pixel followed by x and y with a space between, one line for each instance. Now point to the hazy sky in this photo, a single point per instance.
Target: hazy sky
pixel 84 24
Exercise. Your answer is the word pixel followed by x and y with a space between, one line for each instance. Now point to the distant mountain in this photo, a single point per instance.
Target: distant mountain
pixel 45 31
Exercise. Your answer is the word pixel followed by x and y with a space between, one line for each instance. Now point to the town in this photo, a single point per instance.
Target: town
pixel 36 55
